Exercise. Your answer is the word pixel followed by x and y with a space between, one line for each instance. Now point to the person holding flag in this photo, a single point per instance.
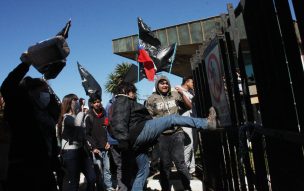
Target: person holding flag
pixel 33 144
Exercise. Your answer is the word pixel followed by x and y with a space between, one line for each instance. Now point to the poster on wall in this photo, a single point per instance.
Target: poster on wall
pixel 215 77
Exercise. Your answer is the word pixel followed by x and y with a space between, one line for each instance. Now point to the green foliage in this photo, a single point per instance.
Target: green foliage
pixel 117 76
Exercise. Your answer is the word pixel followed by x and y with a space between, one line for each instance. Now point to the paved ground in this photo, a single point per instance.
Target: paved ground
pixel 153 183
pixel 3 162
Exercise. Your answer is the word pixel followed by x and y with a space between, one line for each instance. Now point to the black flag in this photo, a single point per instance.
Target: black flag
pixel 132 74
pixel 54 69
pixel 65 31
pixel 165 58
pixel 90 85
pixel 49 56
pixel 146 35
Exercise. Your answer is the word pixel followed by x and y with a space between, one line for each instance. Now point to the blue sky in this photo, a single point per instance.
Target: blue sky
pixel 94 24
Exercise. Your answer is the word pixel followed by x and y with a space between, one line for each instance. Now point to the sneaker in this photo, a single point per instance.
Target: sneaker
pixel 153 172
pixel 193 175
pixel 212 121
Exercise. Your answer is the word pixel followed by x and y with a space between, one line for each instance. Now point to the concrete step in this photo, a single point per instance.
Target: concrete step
pixel 196 185
pixel 153 183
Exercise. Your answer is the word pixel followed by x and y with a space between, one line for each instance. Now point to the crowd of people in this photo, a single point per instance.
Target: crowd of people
pixel 52 142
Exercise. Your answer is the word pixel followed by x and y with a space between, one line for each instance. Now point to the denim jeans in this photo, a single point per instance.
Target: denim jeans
pixel 76 161
pixel 149 134
pixel 135 170
pixel 103 163
pixel 142 161
pixel 154 127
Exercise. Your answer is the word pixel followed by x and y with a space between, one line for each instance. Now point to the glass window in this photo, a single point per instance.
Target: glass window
pixel 135 42
pixel 248 64
pixel 196 32
pixel 115 46
pixel 162 37
pixel 183 33
pixel 123 45
pixel 172 35
pixel 210 27
pixel 128 45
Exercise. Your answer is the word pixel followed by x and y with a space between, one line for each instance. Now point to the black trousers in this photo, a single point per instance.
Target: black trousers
pixel 171 148
pixel 116 154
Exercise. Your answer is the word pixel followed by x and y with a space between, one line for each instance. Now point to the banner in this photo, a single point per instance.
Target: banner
pixel 216 79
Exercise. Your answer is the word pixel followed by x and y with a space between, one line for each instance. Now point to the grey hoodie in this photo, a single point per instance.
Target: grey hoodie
pixel 160 105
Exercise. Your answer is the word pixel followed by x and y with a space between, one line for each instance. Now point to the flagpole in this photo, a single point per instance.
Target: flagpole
pixel 138 69
pixel 173 58
pixel 67 28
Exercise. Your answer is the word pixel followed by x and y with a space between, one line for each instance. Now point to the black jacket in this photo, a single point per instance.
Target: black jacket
pixel 128 120
pixel 96 132
pixel 29 143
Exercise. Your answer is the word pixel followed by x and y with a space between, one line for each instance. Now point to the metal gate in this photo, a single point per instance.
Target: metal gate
pixel 255 81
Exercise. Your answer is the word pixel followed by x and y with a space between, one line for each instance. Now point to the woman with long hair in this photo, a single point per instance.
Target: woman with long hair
pixel 75 158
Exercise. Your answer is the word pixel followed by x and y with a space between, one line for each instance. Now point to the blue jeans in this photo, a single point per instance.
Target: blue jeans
pixel 76 161
pixel 142 161
pixel 103 162
pixel 154 127
pixel 135 170
pixel 150 133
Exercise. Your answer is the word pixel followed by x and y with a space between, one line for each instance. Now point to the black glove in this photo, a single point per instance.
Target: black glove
pixel 123 145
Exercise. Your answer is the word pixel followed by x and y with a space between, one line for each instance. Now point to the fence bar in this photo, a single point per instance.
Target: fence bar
pixel 293 56
pixel 231 131
pixel 260 179
pixel 274 90
pixel 299 10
